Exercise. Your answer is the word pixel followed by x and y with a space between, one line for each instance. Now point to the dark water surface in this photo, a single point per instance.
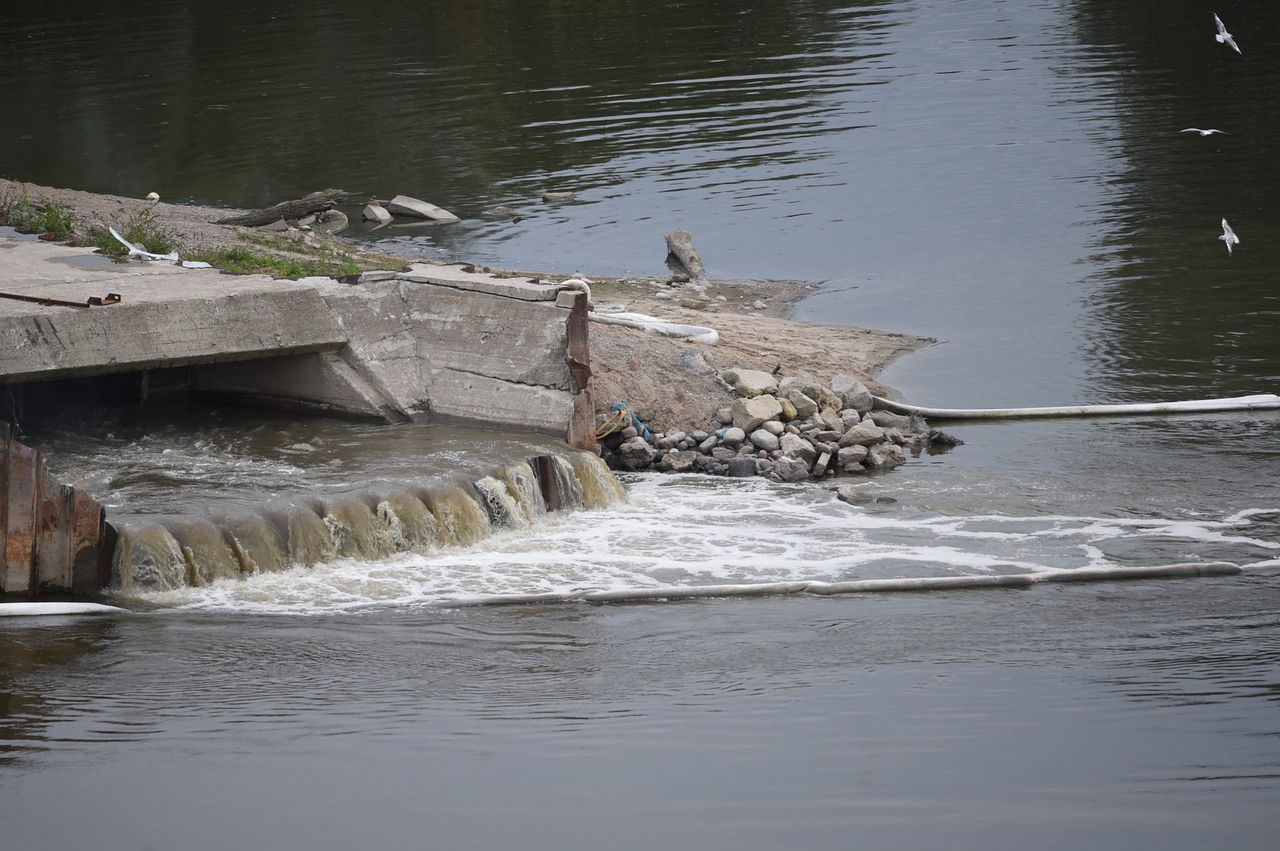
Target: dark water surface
pixel 1005 177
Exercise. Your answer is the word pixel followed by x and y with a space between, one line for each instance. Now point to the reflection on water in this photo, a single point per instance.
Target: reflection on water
pixel 1007 177
pixel 809 720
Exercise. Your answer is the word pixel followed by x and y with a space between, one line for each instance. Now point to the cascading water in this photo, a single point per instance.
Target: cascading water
pixel 166 553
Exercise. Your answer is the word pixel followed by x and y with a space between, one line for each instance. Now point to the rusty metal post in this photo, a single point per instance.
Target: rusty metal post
pixel 582 422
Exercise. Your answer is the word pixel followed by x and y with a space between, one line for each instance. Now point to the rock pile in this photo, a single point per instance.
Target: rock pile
pixel 784 429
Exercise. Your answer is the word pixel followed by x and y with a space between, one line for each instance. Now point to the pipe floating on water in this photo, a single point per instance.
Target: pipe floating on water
pixel 858 586
pixel 41 609
pixel 1260 402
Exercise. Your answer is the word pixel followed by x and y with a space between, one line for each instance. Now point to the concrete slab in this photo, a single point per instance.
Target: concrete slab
pixel 481 282
pixel 167 316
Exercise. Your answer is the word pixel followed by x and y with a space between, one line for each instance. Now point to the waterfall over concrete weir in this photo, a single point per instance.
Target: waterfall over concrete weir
pixel 169 552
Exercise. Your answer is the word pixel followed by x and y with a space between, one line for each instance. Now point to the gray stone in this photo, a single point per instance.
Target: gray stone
pixel 376 213
pixel 852 495
pixel 759 305
pixel 888 419
pixel 773 427
pixel 830 418
pixel 698 435
pixel 788 469
pixel 733 436
pixel 750 414
pixel 635 454
pixel 559 197
pixel 723 453
pixel 678 462
pixel 791 429
pixel 630 432
pixel 847 455
pixel 682 257
pixel 805 407
pixel 764 466
pixel 332 221
pixel 707 445
pixel 724 416
pixel 825 435
pixel 279 226
pixel 864 433
pixel 765 440
pixel 884 456
pixel 749 382
pixel 852 392
pixel 798 447
pixel 820 466
pixel 850 417
pixel 741 468
pixel 404 205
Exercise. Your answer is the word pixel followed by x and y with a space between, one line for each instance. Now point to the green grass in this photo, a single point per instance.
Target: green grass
pixel 143 229
pixel 18 210
pixel 244 261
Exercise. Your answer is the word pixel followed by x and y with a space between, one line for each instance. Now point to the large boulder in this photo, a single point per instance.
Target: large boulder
pixel 750 414
pixel 884 456
pixel 864 433
pixel 678 462
pixel 797 447
pixel 749 382
pixel 761 439
pixel 741 468
pixel 851 455
pixel 787 469
pixel 888 419
pixel 376 213
pixel 682 257
pixel 403 205
pixel 805 407
pixel 635 454
pixel 852 392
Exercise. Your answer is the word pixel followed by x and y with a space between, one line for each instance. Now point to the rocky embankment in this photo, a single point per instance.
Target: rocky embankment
pixel 787 430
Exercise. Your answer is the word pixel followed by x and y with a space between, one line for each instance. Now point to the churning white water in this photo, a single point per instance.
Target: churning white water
pixel 695 530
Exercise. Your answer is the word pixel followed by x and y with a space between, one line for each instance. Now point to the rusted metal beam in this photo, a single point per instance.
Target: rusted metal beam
pixel 91 301
pixel 21 493
pixel 582 422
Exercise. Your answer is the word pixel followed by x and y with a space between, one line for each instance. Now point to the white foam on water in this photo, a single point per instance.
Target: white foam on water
pixel 694 530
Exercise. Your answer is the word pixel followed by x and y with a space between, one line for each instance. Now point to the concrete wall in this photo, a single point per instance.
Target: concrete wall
pixel 435 338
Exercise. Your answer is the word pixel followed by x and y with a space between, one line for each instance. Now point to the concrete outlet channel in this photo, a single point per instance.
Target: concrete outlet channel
pixel 431 339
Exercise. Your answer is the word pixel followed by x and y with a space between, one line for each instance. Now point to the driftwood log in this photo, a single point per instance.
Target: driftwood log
pixel 292 210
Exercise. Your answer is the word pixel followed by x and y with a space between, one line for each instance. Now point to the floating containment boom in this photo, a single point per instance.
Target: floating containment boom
pixel 1260 402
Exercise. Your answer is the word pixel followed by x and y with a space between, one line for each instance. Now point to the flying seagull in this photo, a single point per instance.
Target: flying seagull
pixel 1228 236
pixel 1224 37
pixel 1204 132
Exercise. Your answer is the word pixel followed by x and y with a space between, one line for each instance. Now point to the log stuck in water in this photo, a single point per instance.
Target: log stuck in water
pixel 293 210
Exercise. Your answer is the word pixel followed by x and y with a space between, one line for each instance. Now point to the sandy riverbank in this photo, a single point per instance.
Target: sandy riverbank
pixel 670 383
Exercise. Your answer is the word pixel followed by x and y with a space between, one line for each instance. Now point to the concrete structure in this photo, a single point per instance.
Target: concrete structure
pixel 434 338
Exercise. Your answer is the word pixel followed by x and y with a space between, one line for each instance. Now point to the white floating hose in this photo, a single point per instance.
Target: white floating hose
pixel 1260 402
pixel 859 586
pixel 41 609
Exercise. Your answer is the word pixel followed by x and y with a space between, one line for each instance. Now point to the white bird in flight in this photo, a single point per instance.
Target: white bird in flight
pixel 1228 236
pixel 1224 37
pixel 1209 132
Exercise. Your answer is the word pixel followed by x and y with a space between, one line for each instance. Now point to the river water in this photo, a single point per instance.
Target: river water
pixel 1007 178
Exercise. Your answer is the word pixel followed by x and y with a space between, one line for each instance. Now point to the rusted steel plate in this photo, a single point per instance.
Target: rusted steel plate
pixel 582 422
pixel 20 532
pixel 4 498
pixel 52 554
pixel 88 536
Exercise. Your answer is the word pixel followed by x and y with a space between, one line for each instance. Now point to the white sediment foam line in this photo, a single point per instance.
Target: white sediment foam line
pixel 860 586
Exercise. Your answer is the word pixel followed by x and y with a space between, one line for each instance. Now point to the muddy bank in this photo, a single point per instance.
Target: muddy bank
pixel 669 383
